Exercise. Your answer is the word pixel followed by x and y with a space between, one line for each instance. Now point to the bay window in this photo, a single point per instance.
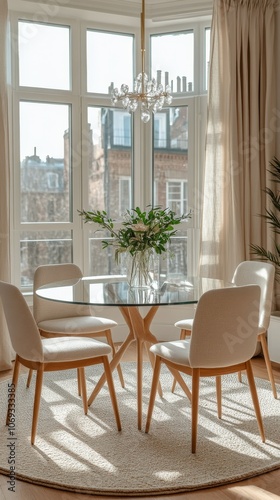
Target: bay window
pixel 73 149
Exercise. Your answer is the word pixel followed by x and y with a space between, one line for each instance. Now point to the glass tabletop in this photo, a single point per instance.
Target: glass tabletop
pixel 112 291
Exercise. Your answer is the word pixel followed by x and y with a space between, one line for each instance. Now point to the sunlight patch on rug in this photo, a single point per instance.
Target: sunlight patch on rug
pixel 87 454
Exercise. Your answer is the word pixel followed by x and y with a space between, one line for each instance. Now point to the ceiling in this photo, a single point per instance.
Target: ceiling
pixel 155 10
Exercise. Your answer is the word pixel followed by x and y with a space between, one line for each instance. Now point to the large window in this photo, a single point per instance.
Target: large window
pixel 73 149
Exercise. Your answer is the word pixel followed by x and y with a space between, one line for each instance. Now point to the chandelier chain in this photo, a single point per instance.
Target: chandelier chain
pixel 148 92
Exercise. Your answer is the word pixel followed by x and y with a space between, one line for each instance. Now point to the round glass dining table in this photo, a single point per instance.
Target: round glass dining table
pixel 115 291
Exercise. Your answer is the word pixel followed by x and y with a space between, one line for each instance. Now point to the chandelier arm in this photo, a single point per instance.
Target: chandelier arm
pixel 139 97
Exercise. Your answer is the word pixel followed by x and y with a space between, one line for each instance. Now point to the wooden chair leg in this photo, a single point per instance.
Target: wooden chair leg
pixel 37 399
pixel 14 382
pixel 29 378
pixel 111 343
pixel 139 361
pixel 262 338
pixel 152 361
pixel 255 398
pixel 183 335
pixel 153 392
pixel 112 391
pixel 195 398
pixel 79 382
pixel 78 379
pixel 82 380
pixel 219 395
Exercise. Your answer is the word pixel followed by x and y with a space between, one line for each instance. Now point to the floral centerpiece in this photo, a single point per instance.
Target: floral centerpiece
pixel 141 233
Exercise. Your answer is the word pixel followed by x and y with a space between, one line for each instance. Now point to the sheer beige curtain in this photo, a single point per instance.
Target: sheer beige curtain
pixel 5 346
pixel 240 132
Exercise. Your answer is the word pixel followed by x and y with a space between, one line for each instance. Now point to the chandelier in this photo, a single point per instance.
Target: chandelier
pixel 147 93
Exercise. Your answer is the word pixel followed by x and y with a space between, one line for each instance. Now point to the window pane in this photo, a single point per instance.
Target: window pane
pixel 125 194
pixel 109 61
pixel 172 57
pixel 207 55
pixel 171 158
pixel 39 248
pixel 170 168
pixel 102 261
pixel 174 264
pixel 45 170
pixel 110 159
pixel 44 55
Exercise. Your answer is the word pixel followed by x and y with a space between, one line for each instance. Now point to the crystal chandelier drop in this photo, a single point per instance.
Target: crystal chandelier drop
pixel 147 94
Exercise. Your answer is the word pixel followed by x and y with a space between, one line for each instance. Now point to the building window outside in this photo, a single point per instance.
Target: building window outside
pixel 66 164
pixel 177 196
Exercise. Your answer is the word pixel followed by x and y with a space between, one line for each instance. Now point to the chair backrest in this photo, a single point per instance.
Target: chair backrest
pixel 225 327
pixel 258 273
pixel 46 309
pixel 24 334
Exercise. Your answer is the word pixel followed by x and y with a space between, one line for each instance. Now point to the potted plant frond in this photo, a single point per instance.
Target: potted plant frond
pixel 141 233
pixel 272 217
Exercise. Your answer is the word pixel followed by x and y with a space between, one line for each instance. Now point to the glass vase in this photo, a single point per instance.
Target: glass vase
pixel 139 269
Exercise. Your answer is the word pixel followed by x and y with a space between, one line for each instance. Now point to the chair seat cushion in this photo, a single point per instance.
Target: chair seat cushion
pixel 184 324
pixel 76 325
pixel 176 351
pixel 73 348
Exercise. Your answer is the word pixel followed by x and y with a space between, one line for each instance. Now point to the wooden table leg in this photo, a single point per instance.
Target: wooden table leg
pixel 139 331
pixel 113 364
pixel 178 377
pixel 140 327
pixel 139 344
pixel 117 357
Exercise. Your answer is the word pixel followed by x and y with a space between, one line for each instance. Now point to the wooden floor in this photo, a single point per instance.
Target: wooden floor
pixel 265 487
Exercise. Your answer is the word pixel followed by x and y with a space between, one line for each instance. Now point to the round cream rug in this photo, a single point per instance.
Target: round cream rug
pixel 87 454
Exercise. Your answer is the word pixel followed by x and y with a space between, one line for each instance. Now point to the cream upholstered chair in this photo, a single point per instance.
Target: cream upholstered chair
pixel 55 319
pixel 255 273
pixel 262 274
pixel 217 346
pixel 50 354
